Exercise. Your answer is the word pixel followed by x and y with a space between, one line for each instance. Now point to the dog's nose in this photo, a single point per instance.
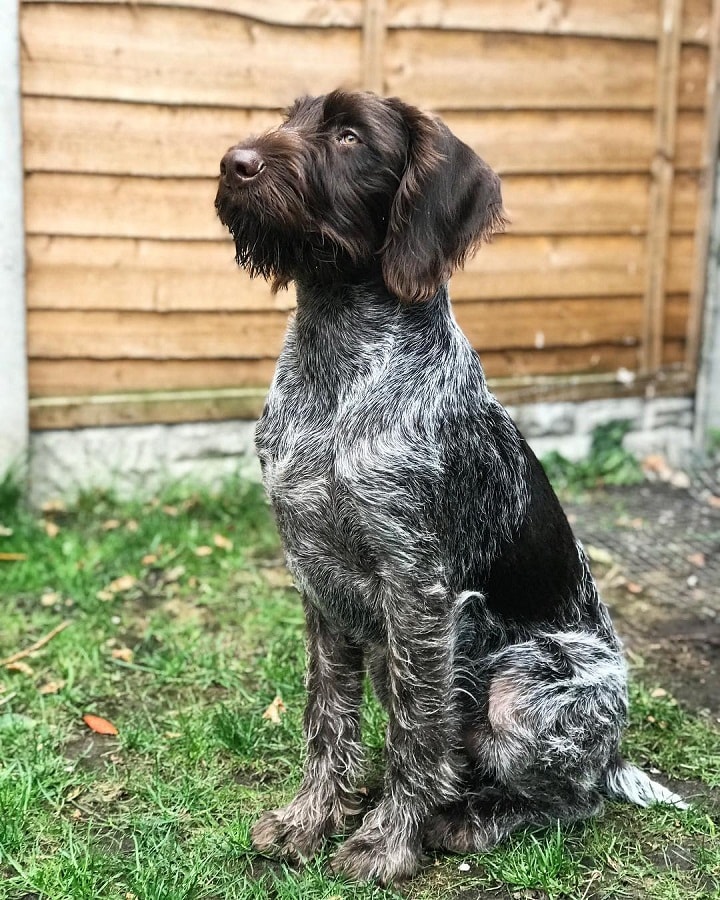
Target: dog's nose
pixel 240 164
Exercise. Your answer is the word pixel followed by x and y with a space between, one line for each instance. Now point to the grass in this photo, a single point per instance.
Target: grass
pixel 182 629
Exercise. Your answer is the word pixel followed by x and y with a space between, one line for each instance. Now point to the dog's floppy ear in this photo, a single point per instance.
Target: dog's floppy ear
pixel 448 202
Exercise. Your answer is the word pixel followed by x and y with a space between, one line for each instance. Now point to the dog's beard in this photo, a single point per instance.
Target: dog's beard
pixel 262 248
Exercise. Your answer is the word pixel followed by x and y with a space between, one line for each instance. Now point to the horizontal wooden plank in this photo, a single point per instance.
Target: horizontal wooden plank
pixel 69 377
pixel 629 19
pixel 185 56
pixel 168 208
pixel 162 276
pixel 314 13
pixel 498 325
pixel 623 19
pixel 159 276
pixel 179 56
pixel 71 412
pixel 470 70
pixel 110 335
pixel 101 137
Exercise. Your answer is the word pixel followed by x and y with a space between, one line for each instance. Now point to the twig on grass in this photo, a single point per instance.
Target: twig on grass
pixel 21 654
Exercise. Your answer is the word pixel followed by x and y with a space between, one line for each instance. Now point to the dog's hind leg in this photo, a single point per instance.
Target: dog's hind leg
pixel 551 724
pixel 332 731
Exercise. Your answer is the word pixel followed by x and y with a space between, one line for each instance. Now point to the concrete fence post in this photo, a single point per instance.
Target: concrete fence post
pixel 13 348
pixel 707 409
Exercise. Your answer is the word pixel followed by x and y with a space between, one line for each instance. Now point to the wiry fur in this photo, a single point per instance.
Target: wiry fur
pixel 428 545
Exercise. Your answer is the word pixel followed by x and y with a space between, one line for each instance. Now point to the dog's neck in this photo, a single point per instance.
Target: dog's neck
pixel 342 333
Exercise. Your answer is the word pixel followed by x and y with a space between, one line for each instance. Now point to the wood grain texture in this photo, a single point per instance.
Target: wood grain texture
pixel 182 209
pixel 622 19
pixel 470 70
pixel 179 56
pixel 493 325
pixel 104 137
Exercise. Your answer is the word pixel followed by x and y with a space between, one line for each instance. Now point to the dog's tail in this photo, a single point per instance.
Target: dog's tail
pixel 624 781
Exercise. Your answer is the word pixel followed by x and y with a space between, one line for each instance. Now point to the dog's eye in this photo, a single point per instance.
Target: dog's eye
pixel 347 136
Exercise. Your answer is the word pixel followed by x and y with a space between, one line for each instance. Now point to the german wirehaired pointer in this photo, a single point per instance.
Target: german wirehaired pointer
pixel 427 543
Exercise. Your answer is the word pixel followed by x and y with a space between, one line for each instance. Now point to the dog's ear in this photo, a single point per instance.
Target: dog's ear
pixel 448 202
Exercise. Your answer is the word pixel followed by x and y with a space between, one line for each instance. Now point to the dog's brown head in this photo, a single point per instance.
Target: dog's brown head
pixel 350 183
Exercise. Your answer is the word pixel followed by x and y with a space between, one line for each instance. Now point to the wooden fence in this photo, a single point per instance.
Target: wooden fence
pixel 602 119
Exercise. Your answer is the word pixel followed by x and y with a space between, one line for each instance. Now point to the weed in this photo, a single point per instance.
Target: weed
pixel 607 462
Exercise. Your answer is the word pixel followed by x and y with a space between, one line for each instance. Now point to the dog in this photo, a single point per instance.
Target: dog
pixel 427 543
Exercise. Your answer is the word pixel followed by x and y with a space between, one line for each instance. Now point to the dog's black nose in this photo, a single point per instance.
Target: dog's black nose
pixel 240 164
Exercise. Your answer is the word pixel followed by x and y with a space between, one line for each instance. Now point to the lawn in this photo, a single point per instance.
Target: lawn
pixel 174 622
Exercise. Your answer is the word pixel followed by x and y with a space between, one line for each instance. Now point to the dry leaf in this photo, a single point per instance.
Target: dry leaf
pixel 123 653
pixel 54 506
pixel 22 667
pixel 99 725
pixel 149 559
pixel 203 551
pixel 171 735
pixel 123 583
pixel 132 525
pixel 658 693
pixel 697 559
pixel 274 711
pixel 634 588
pixel 222 542
pixel 50 598
pixel 51 687
pixel 105 596
pixel 110 525
pixel 170 511
pixel 174 574
pixel 51 529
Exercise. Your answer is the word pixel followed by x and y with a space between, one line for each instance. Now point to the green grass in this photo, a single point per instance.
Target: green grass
pixel 182 648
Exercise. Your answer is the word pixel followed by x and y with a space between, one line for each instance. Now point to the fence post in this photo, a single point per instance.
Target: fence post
pixel 13 348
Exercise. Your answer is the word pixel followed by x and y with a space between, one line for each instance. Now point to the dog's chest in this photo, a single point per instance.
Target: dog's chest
pixel 336 477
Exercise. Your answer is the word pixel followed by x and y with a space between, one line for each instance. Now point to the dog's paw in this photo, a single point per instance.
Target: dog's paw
pixel 454 835
pixel 370 856
pixel 278 833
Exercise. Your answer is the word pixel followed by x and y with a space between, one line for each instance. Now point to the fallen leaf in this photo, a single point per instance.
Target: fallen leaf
pixel 222 542
pixel 132 525
pixel 658 693
pixel 174 574
pixel 107 791
pixel 105 596
pixel 22 667
pixel 634 587
pixel 170 511
pixel 99 725
pixel 51 529
pixel 123 583
pixel 149 559
pixel 123 653
pixel 697 559
pixel 110 525
pixel 51 687
pixel 203 551
pixel 50 598
pixel 54 506
pixel 274 711
pixel 171 735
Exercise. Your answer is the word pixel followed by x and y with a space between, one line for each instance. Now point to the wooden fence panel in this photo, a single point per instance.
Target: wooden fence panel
pixel 128 108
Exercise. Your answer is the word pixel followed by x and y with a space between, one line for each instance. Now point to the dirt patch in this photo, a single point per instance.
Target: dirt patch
pixel 656 555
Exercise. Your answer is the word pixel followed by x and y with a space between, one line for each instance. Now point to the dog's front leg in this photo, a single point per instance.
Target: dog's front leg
pixel 422 769
pixel 332 731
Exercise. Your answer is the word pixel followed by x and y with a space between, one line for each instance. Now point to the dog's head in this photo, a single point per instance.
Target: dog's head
pixel 351 182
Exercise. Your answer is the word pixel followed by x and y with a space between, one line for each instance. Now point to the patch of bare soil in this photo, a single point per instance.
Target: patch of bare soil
pixel 655 550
